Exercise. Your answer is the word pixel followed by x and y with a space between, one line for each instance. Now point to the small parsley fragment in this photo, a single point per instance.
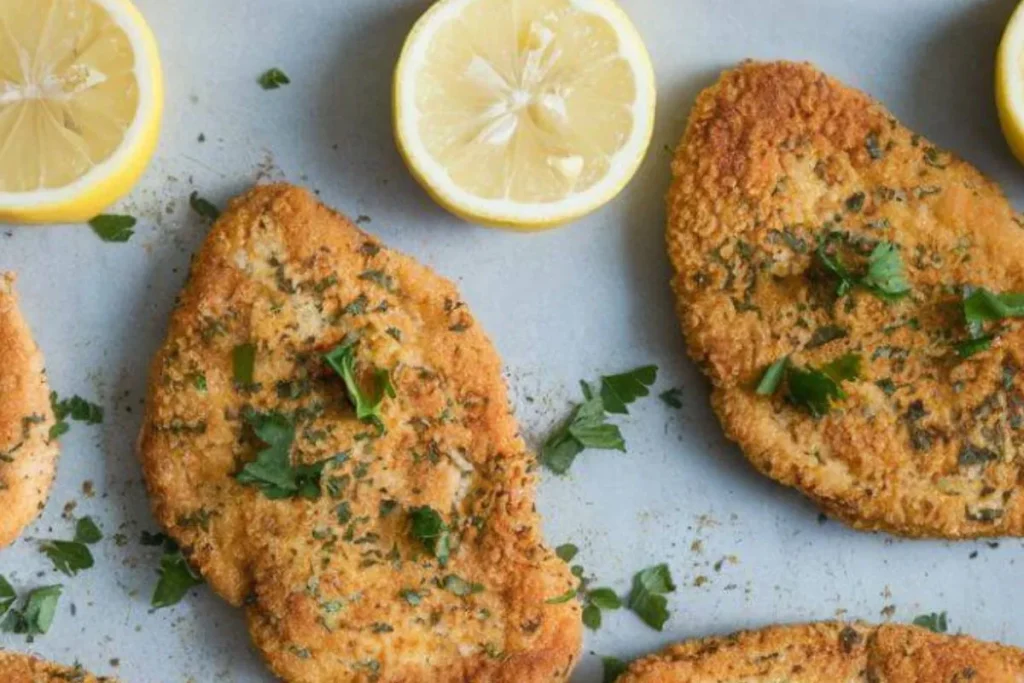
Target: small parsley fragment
pixel 272 79
pixel 77 408
pixel 410 596
pixel 983 306
pixel 342 360
pixel 86 531
pixel 617 391
pixel 176 577
pixel 673 398
pixel 933 622
pixel 272 470
pixel 812 389
pixel 882 274
pixel 203 207
pixel 970 347
pixel 566 552
pixel 563 598
pixel 7 595
pixel 68 557
pixel 873 147
pixel 459 586
pixel 243 364
pixel 430 529
pixel 647 598
pixel 613 667
pixel 35 616
pixel 112 228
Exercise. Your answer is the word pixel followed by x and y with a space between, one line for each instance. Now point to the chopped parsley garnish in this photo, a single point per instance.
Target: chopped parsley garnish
pixel 461 587
pixel 176 577
pixel 272 470
pixel 587 426
pixel 566 552
pixel 111 228
pixel 411 596
pixel 203 207
pixel 983 306
pixel 76 408
pixel 617 391
pixel 71 557
pixel 882 274
pixel 673 398
pixel 613 667
pixel 873 147
pixel 430 529
pixel 243 363
pixel 647 598
pixel 342 360
pixel 272 79
pixel 36 616
pixel 933 622
pixel 812 389
pixel 564 597
pixel 7 595
pixel 86 531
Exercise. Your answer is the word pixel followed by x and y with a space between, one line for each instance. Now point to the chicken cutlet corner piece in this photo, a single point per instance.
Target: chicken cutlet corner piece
pixel 28 456
pixel 20 668
pixel 824 261
pixel 329 440
pixel 831 651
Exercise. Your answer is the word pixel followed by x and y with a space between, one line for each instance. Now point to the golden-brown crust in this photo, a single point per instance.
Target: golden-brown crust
pixel 28 459
pixel 324 596
pixel 775 156
pixel 832 651
pixel 19 668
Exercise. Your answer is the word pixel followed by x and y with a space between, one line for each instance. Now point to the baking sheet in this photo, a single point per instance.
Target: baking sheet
pixel 561 306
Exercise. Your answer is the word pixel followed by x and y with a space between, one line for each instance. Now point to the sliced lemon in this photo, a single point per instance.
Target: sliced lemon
pixel 1010 82
pixel 523 113
pixel 81 95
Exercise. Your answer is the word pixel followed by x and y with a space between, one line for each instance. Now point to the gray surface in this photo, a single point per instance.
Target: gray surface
pixel 561 306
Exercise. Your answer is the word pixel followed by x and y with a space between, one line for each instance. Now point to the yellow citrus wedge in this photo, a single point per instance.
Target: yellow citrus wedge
pixel 1010 82
pixel 523 113
pixel 81 96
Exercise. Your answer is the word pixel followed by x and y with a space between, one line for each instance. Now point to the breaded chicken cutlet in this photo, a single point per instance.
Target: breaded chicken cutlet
pixel 19 668
pixel 28 457
pixel 830 652
pixel 328 438
pixel 850 290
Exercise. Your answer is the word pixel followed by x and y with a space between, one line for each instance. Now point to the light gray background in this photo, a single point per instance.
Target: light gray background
pixel 563 305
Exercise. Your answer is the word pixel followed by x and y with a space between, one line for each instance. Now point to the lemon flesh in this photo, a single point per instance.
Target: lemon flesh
pixel 80 100
pixel 524 113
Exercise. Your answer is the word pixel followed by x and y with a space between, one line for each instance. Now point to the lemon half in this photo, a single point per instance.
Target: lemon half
pixel 1010 82
pixel 81 96
pixel 524 113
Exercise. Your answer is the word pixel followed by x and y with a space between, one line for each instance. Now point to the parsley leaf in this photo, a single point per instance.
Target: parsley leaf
pixel 586 428
pixel 203 207
pixel 982 306
pixel 970 347
pixel 431 531
pixel 68 557
pixel 461 587
pixel 613 668
pixel 86 531
pixel 592 617
pixel 563 598
pixel 243 364
pixel 673 398
pixel 772 377
pixel 342 360
pixel 884 275
pixel 111 228
pixel 604 598
pixel 617 391
pixel 933 622
pixel 566 552
pixel 272 470
pixel 647 598
pixel 176 577
pixel 7 595
pixel 272 79
pixel 36 616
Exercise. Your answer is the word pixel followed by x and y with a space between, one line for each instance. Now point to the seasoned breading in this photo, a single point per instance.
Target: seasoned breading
pixel 776 157
pixel 19 668
pixel 28 459
pixel 337 585
pixel 830 652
